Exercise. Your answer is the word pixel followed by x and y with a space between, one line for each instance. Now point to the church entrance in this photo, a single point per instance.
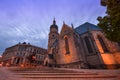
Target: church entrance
pixel 46 64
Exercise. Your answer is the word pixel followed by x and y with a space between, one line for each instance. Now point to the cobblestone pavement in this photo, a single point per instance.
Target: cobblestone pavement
pixel 15 73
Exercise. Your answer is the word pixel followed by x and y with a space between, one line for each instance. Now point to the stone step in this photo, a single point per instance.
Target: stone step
pixel 65 75
pixel 43 71
pixel 70 79
pixel 69 76
pixel 60 74
pixel 46 72
pixel 56 73
pixel 36 70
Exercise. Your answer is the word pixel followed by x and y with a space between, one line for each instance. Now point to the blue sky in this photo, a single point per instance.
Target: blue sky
pixel 29 20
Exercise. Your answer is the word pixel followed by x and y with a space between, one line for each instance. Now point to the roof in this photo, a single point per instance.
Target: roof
pixel 85 27
pixel 25 44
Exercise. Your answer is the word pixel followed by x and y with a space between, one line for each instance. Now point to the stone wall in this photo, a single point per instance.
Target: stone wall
pixel 111 58
pixel 73 55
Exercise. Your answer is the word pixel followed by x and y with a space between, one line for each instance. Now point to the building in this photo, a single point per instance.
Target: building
pixel 83 47
pixel 0 58
pixel 22 54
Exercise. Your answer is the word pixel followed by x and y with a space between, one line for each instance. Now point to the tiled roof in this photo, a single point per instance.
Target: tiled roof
pixel 85 27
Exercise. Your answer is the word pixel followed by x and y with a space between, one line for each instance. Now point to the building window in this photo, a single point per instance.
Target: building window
pixel 50 56
pixel 31 50
pixel 17 54
pixel 23 54
pixel 104 47
pixel 67 46
pixel 89 46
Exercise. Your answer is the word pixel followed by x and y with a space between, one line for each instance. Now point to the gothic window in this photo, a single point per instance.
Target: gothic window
pixel 102 44
pixel 67 46
pixel 89 46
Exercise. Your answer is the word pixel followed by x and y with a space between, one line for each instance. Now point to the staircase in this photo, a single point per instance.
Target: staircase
pixel 45 73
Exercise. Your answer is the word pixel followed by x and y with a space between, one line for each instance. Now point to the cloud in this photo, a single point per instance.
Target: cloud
pixel 29 20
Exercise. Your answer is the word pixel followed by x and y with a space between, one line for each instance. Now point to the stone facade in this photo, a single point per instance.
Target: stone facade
pixel 0 59
pixel 111 56
pixel 18 54
pixel 83 47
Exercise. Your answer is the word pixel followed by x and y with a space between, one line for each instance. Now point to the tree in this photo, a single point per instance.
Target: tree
pixel 110 24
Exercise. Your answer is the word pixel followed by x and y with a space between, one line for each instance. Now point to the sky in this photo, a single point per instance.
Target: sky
pixel 30 20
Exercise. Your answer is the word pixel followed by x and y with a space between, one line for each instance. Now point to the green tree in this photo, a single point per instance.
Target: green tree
pixel 110 24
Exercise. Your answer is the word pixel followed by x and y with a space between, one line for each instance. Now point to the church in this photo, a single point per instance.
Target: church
pixel 83 47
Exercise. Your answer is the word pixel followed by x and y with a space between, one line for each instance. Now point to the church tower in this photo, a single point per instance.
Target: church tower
pixel 53 43
pixel 53 36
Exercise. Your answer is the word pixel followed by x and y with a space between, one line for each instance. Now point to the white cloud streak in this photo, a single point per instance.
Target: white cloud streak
pixel 29 20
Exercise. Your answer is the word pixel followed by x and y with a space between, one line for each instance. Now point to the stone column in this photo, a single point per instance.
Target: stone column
pixel 19 61
pixel 12 60
pixel 23 60
pixel 16 60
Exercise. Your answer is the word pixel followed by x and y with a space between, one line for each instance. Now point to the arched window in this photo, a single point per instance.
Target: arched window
pixel 67 46
pixel 102 44
pixel 89 46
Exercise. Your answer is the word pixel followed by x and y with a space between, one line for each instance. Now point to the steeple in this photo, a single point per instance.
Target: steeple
pixel 54 26
pixel 53 42
pixel 72 26
pixel 63 22
pixel 54 22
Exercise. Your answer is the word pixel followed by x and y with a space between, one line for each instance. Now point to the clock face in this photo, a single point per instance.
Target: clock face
pixel 53 35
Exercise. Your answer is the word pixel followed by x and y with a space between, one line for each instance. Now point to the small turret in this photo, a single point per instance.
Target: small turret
pixel 72 26
pixel 53 35
pixel 53 42
pixel 54 27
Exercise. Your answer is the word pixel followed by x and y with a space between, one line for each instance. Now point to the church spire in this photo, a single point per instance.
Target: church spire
pixel 72 26
pixel 54 22
pixel 54 26
pixel 63 22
